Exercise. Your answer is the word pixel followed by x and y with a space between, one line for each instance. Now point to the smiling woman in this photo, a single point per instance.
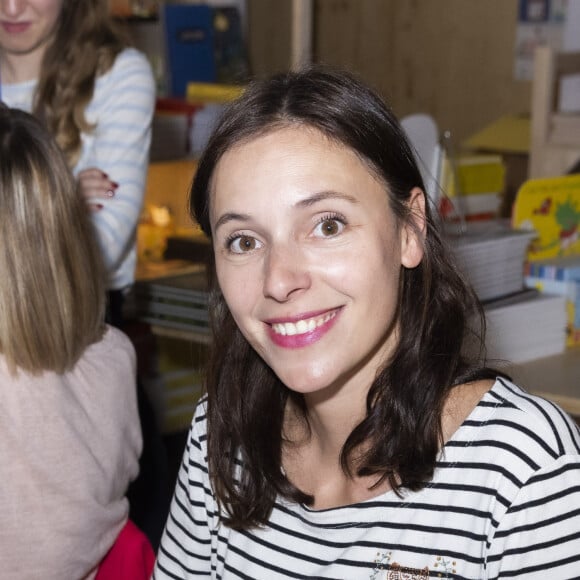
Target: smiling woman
pixel 303 258
pixel 345 432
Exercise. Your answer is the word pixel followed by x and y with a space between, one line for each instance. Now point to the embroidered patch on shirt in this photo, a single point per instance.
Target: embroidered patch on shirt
pixel 385 570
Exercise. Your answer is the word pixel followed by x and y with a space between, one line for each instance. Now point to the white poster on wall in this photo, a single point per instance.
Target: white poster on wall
pixel 569 96
pixel 540 22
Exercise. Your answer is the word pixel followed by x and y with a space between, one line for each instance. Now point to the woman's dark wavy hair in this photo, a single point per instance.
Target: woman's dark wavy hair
pixel 245 399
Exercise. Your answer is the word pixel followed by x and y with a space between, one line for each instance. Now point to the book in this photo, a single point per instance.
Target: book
pixel 203 93
pixel 550 207
pixel 570 289
pixel 560 275
pixel 491 255
pixel 561 268
pixel 513 298
pixel 473 207
pixel 203 44
pixel 474 186
pixel 189 44
pixel 475 173
pixel 526 329
pixel 179 302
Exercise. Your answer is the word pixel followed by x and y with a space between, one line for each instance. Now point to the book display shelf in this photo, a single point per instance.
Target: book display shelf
pixel 541 359
pixel 179 313
pixel 556 377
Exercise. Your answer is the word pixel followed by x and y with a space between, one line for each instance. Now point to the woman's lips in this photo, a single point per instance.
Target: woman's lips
pixel 15 27
pixel 302 331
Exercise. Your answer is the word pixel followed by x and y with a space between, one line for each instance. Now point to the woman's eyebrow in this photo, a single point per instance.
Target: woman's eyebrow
pixel 231 217
pixel 306 202
pixel 324 195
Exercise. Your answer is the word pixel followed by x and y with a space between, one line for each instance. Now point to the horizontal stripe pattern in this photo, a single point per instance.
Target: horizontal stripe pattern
pixel 121 110
pixel 504 502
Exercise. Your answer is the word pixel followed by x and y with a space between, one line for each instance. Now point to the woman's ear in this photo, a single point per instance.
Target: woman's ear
pixel 413 230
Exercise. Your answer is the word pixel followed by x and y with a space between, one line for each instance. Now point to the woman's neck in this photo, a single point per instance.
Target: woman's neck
pixel 312 460
pixel 18 68
pixel 331 416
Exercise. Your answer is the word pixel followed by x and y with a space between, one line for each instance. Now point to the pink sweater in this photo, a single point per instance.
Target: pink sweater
pixel 69 446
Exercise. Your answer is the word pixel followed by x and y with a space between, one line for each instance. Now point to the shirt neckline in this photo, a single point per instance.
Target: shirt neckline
pixel 482 412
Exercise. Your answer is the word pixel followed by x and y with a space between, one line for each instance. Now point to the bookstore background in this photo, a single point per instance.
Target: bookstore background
pixel 514 227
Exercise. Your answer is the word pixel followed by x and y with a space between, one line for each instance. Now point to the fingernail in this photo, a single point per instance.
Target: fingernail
pixel 114 184
pixel 99 205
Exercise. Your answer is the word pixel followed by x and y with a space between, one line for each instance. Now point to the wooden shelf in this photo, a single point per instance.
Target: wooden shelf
pixel 555 137
pixel 135 19
pixel 187 335
pixel 555 377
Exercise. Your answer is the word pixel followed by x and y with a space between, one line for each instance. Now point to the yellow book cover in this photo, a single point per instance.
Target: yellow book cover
pixel 476 174
pixel 200 93
pixel 551 207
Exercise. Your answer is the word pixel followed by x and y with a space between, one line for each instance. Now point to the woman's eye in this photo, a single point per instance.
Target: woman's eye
pixel 329 227
pixel 243 244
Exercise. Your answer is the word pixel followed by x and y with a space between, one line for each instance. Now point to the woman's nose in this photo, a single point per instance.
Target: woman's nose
pixel 12 7
pixel 286 273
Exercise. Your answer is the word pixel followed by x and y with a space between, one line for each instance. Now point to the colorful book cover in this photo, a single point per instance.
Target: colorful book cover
pixel 189 39
pixel 571 290
pixel 560 268
pixel 551 208
pixel 203 44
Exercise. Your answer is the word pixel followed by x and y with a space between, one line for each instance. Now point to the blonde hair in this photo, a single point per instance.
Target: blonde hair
pixel 52 287
pixel 85 46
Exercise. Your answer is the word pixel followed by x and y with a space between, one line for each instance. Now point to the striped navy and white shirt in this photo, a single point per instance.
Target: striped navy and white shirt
pixel 121 110
pixel 504 502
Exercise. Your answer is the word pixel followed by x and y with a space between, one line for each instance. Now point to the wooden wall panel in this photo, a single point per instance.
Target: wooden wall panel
pixel 450 58
pixel 454 59
pixel 269 35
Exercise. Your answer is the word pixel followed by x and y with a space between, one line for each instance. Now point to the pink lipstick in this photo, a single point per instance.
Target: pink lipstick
pixel 15 27
pixel 299 332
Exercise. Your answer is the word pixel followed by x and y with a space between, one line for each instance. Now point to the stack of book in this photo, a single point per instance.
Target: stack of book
pixel 492 256
pixel 528 326
pixel 560 276
pixel 550 207
pixel 175 381
pixel 474 185
pixel 177 302
pixel 522 323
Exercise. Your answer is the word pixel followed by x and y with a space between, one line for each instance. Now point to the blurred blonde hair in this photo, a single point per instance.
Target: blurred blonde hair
pixel 52 287
pixel 85 46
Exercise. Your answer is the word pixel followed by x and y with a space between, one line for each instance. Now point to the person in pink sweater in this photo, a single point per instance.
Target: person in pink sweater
pixel 70 436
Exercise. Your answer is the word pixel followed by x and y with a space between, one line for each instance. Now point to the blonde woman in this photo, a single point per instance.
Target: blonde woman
pixel 69 428
pixel 67 63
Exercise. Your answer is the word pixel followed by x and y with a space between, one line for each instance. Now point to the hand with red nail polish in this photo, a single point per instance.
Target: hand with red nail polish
pixel 94 183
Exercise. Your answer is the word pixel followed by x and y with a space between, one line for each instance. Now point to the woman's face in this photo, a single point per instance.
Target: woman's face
pixel 26 26
pixel 308 257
